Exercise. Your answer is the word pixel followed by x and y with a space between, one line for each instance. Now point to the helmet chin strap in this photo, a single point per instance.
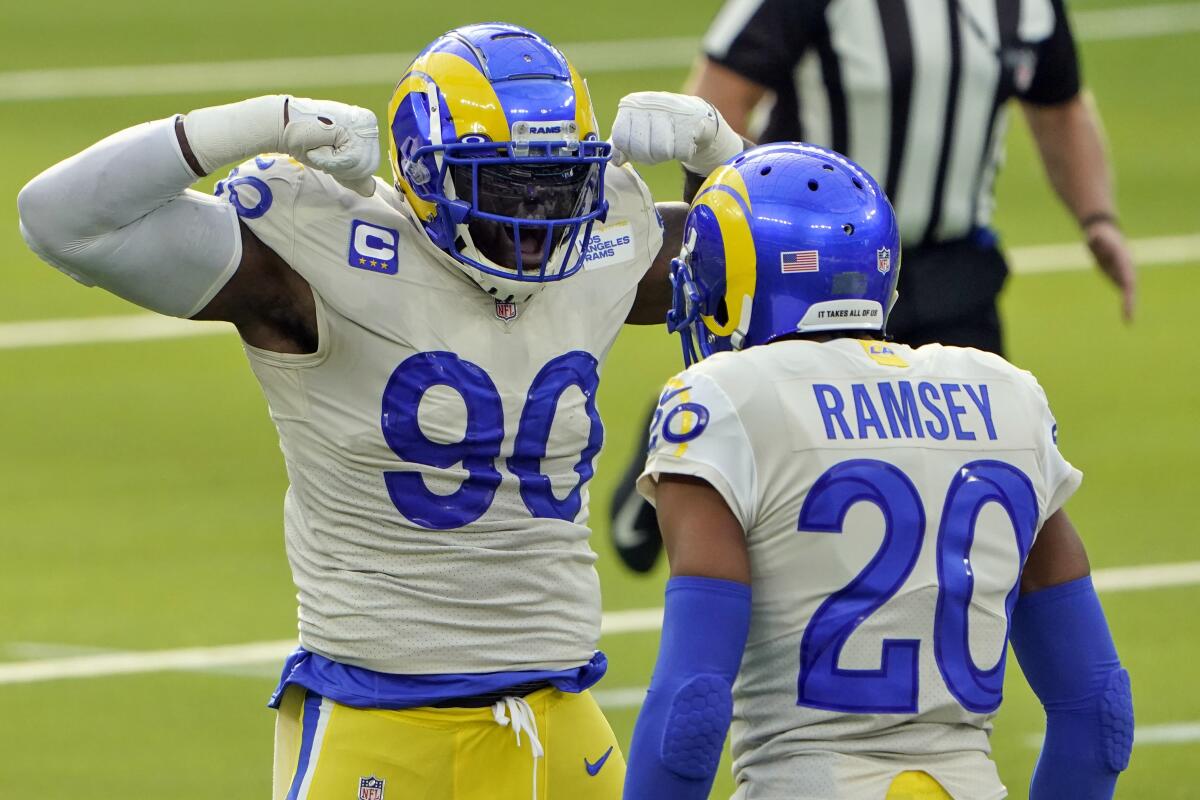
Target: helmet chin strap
pixel 738 337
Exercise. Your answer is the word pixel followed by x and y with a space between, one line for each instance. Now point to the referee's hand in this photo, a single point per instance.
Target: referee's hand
pixel 1112 255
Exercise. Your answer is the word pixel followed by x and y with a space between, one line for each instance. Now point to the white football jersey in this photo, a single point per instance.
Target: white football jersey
pixel 438 443
pixel 889 498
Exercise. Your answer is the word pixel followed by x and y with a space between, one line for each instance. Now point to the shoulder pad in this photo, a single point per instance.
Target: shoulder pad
pixel 252 186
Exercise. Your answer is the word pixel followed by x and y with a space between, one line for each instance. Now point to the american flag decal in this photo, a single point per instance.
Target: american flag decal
pixel 799 261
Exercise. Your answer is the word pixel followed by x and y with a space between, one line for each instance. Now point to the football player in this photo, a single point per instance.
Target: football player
pixel 853 525
pixel 430 350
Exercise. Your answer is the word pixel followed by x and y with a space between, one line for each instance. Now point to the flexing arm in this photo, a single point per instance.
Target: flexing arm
pixel 652 127
pixel 120 215
pixel 675 749
pixel 1063 644
pixel 653 299
pixel 1070 140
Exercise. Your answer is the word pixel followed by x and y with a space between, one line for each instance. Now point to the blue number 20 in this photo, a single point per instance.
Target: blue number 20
pixel 481 443
pixel 893 688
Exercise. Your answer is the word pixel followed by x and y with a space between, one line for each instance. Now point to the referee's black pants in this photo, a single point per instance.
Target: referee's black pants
pixel 948 293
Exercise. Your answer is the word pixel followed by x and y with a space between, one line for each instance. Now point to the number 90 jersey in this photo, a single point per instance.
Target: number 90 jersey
pixel 439 442
pixel 889 498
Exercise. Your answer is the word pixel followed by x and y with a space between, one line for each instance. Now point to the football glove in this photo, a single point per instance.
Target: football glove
pixel 340 139
pixel 652 127
pixel 336 138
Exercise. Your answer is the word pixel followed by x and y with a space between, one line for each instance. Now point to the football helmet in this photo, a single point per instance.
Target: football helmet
pixel 784 238
pixel 495 146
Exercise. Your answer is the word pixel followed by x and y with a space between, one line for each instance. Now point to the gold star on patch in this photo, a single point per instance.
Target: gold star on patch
pixel 362 261
pixel 374 263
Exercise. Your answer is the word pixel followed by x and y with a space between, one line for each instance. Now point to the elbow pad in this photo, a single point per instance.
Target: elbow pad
pixel 119 216
pixel 1064 647
pixel 681 729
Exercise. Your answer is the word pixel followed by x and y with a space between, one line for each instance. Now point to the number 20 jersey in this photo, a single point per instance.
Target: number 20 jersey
pixel 889 496
pixel 438 443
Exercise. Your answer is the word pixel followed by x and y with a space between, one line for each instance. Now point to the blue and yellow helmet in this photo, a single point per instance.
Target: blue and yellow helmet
pixel 785 238
pixel 495 146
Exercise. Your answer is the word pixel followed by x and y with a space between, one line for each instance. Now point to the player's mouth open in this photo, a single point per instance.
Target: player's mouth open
pixel 533 241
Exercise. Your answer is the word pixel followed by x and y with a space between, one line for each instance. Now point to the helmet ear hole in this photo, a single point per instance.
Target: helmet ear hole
pixel 722 315
pixel 813 185
pixel 848 228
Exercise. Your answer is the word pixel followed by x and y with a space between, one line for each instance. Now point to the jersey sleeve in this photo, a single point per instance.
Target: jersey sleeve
pixel 263 192
pixel 697 431
pixel 1060 479
pixel 1056 75
pixel 764 41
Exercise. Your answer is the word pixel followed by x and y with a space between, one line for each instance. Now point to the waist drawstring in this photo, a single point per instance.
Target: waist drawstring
pixel 515 712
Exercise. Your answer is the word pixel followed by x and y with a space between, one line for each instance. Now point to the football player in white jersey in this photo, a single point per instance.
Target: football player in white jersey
pixel 430 351
pixel 855 528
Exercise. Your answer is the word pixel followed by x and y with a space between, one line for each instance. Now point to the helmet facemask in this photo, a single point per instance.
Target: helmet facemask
pixel 516 214
pixel 525 218
pixel 691 301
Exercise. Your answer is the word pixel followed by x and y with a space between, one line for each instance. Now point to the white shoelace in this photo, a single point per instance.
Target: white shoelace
pixel 515 712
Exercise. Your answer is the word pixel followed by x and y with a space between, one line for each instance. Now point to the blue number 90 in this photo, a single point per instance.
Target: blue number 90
pixel 484 436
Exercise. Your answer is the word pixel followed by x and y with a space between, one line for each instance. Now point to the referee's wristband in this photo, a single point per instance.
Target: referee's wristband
pixel 1098 217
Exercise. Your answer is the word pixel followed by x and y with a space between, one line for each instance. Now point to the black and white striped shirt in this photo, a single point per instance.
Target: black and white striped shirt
pixel 914 90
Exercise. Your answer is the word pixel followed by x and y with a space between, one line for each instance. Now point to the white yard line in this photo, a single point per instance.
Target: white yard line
pixel 1073 256
pixel 1171 733
pixel 282 74
pixel 94 330
pixel 136 662
pixel 1136 22
pixel 637 620
pixel 1151 576
pixel 590 58
pixel 1035 259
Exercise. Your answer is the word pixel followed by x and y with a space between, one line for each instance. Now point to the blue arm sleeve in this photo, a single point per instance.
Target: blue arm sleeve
pixel 1063 644
pixel 681 729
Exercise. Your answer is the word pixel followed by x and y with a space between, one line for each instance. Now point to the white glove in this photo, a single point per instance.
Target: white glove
pixel 327 135
pixel 335 138
pixel 652 127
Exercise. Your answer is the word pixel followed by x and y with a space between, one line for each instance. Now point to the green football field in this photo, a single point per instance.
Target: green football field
pixel 142 575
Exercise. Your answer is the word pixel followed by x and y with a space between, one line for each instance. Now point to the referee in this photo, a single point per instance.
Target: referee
pixel 916 91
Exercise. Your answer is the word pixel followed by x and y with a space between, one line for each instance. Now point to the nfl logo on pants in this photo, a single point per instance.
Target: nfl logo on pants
pixel 370 788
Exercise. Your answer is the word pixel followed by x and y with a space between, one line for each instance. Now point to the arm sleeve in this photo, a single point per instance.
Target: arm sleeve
pixel 1063 644
pixel 120 216
pixel 681 728
pixel 697 431
pixel 1056 77
pixel 763 40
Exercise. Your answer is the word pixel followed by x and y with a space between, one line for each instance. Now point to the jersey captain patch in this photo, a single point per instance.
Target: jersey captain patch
pixel 373 248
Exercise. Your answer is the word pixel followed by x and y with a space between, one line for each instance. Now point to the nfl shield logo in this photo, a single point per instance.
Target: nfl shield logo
pixel 506 311
pixel 370 788
pixel 883 259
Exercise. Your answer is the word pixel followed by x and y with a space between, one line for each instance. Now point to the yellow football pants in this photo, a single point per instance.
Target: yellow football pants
pixel 327 751
pixel 916 786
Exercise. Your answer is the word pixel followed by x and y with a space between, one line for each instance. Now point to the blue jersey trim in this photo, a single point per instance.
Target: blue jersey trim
pixel 364 688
